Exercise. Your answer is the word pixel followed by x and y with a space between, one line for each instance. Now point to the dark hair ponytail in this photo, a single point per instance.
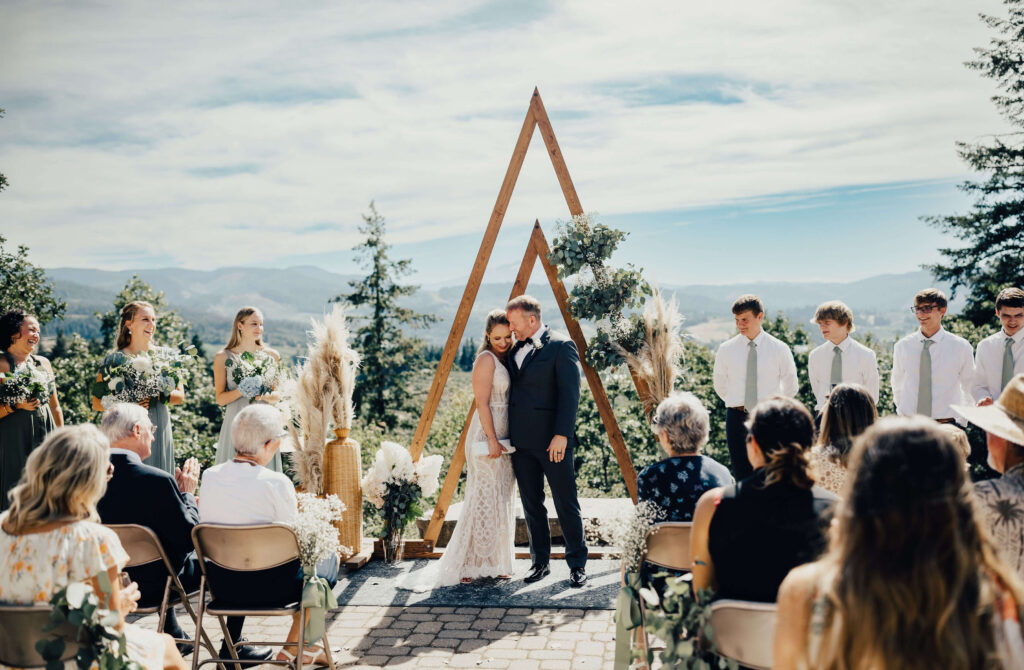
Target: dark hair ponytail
pixel 784 431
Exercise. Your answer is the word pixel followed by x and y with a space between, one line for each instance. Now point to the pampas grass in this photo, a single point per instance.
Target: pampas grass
pixel 321 397
pixel 657 362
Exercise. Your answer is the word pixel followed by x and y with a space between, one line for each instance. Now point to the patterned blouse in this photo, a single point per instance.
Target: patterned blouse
pixel 1002 505
pixel 829 472
pixel 676 483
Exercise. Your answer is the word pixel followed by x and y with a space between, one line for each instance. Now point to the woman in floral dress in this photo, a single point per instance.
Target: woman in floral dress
pixel 245 345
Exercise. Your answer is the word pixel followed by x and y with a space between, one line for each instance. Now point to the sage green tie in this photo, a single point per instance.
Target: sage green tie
pixel 750 393
pixel 924 382
pixel 837 367
pixel 1007 363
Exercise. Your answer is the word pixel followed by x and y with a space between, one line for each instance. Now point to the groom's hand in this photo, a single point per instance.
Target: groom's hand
pixel 556 450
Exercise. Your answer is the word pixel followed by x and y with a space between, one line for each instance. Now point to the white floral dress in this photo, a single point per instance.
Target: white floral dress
pixel 35 565
pixel 829 472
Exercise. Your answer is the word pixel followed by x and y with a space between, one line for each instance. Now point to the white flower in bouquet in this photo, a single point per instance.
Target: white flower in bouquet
pixel 108 401
pixel 142 364
pixel 428 469
pixel 633 536
pixel 318 538
pixel 114 382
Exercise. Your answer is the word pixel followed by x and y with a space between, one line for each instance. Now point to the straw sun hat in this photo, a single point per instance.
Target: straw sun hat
pixel 1005 417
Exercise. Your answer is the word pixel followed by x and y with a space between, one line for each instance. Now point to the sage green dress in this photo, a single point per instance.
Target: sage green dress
pixel 162 456
pixel 225 449
pixel 20 433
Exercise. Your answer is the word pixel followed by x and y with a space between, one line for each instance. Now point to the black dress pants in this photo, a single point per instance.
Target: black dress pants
pixel 531 467
pixel 736 439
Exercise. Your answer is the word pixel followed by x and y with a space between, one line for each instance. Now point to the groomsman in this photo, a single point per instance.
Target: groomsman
pixel 932 369
pixel 750 367
pixel 840 358
pixel 1001 356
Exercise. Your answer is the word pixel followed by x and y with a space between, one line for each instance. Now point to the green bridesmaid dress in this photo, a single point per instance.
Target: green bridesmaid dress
pixel 20 433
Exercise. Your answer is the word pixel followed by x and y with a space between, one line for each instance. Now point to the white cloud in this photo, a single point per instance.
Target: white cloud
pixel 118 114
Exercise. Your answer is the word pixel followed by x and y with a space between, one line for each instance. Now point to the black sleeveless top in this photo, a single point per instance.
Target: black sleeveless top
pixel 758 534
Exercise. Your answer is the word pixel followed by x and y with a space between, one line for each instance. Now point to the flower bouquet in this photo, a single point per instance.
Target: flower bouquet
pixel 25 383
pixel 133 379
pixel 254 374
pixel 395 486
pixel 318 540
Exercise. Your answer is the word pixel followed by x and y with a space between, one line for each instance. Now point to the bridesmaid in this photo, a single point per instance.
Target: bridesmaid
pixel 135 338
pixel 23 426
pixel 246 336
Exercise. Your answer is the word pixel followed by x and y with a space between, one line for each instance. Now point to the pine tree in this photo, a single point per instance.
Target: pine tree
pixel 25 286
pixel 389 355
pixel 993 230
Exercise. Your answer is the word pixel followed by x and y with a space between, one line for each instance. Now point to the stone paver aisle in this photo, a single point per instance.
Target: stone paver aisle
pixel 451 637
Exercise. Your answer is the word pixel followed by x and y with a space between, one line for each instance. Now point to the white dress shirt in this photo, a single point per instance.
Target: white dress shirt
pixel 776 370
pixel 860 366
pixel 242 494
pixel 525 350
pixel 952 373
pixel 988 364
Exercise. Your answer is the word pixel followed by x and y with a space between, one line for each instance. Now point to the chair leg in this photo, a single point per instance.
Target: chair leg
pixel 228 642
pixel 162 612
pixel 327 651
pixel 199 624
pixel 202 637
pixel 301 648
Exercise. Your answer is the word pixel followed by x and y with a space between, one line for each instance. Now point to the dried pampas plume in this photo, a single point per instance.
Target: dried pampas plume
pixel 657 362
pixel 321 397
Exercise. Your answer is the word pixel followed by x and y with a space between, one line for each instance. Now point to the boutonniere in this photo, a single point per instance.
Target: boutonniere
pixel 537 344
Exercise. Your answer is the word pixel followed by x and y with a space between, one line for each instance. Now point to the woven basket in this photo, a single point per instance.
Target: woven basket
pixel 342 472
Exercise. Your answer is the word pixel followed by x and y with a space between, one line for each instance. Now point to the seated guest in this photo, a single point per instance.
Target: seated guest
pixel 243 492
pixel 49 538
pixel 148 496
pixel 747 536
pixel 911 578
pixel 848 412
pixel 1002 500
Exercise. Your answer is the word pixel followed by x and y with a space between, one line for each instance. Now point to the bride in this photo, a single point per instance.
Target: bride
pixel 482 544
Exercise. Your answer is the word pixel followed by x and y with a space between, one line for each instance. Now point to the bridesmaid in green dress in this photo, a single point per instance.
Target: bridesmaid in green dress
pixel 135 338
pixel 24 425
pixel 246 336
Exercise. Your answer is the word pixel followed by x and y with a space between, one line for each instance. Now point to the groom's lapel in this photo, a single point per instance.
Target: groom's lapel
pixel 534 352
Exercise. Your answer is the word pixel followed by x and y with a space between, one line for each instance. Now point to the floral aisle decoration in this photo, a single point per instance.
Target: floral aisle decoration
pixel 632 538
pixel 25 383
pixel 76 607
pixel 395 485
pixel 318 540
pixel 254 374
pixel 134 379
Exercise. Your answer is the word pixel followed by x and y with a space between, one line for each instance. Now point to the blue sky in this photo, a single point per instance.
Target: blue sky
pixel 773 140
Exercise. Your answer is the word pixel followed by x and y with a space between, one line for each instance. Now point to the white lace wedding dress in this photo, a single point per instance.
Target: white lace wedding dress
pixel 482 543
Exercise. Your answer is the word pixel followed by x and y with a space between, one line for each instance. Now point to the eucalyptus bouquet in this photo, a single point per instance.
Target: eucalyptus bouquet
pixel 254 374
pixel 132 379
pixel 100 644
pixel 25 383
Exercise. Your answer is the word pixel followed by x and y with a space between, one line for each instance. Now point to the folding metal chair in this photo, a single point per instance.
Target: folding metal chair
pixel 21 626
pixel 744 631
pixel 666 545
pixel 144 548
pixel 247 549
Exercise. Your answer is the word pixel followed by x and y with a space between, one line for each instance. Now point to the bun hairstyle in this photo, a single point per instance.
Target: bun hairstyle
pixel 128 312
pixel 10 325
pixel 784 431
pixel 236 325
pixel 496 317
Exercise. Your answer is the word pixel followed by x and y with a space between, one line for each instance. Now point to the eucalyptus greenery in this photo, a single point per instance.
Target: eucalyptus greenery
pixel 600 293
pixel 683 620
pixel 101 644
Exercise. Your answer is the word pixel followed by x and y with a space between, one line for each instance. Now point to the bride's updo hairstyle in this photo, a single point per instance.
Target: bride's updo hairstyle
pixel 784 430
pixel 236 327
pixel 124 337
pixel 496 317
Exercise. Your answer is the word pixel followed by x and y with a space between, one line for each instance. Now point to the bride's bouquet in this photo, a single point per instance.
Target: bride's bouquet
pixel 133 379
pixel 254 375
pixel 23 384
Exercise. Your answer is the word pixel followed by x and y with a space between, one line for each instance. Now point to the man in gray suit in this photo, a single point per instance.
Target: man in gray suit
pixel 542 407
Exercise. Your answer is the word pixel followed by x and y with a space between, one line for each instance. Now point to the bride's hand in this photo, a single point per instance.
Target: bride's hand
pixel 494 448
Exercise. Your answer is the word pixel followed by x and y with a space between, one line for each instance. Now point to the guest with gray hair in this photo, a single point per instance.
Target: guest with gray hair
pixel 682 425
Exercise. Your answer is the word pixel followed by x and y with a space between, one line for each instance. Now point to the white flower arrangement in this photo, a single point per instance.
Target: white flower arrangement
pixel 318 538
pixel 393 466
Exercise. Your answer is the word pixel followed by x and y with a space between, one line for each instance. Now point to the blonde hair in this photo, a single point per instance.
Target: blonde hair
pixel 124 337
pixel 242 315
pixel 64 478
pixel 495 317
pixel 916 577
pixel 837 311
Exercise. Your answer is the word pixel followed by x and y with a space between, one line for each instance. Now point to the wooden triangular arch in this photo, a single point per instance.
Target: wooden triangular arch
pixel 536 118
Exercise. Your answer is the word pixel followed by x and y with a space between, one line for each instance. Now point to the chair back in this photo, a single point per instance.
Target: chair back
pixel 245 548
pixel 744 631
pixel 21 626
pixel 141 543
pixel 667 545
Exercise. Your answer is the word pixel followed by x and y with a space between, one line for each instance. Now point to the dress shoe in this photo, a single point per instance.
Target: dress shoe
pixel 577 577
pixel 537 573
pixel 184 648
pixel 247 652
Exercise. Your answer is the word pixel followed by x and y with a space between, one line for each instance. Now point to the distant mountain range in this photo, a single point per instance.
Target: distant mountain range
pixel 289 297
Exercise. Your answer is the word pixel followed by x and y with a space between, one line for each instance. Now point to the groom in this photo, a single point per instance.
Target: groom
pixel 542 425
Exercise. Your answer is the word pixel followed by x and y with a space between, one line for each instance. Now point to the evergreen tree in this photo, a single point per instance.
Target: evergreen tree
pixel 389 355
pixel 993 230
pixel 3 179
pixel 25 286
